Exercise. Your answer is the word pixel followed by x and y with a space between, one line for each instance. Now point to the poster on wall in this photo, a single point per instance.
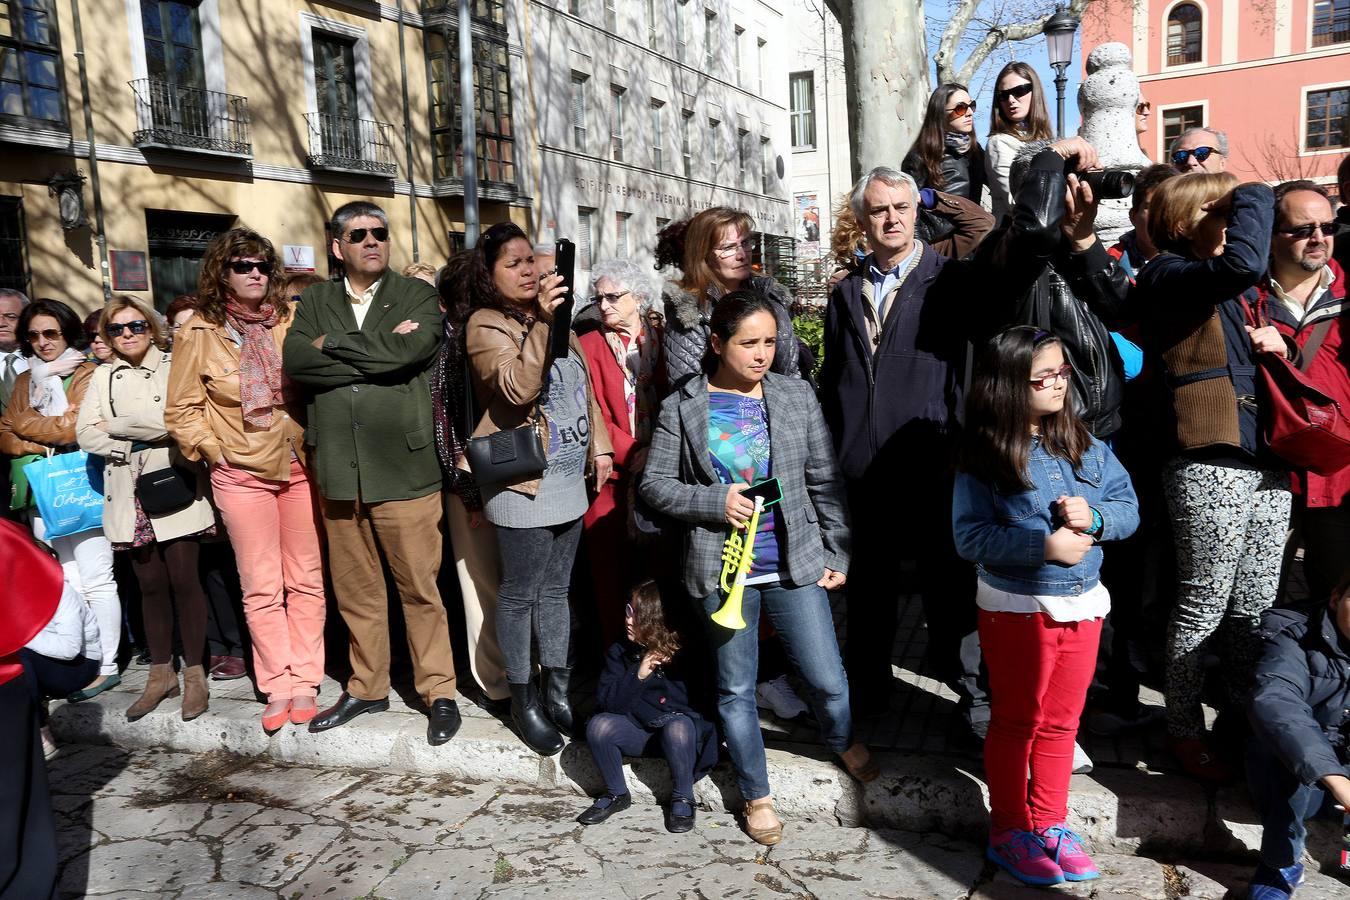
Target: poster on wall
pixel 296 258
pixel 806 208
pixel 129 271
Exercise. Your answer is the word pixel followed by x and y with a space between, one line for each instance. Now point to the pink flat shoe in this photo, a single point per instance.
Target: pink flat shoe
pixel 272 723
pixel 303 709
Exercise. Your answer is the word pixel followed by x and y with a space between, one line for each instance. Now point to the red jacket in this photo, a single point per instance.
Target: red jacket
pixel 1330 371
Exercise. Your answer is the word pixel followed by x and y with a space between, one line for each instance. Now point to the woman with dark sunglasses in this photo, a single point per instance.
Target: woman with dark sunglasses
pixel 122 420
pixel 946 156
pixel 1017 116
pixel 40 419
pixel 231 407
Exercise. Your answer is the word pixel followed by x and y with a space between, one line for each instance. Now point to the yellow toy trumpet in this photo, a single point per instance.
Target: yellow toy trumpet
pixel 737 555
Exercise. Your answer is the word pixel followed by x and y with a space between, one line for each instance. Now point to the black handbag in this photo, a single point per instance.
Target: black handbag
pixel 165 491
pixel 508 455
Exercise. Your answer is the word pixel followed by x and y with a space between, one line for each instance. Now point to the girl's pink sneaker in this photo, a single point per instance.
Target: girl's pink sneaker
pixel 1023 856
pixel 1066 849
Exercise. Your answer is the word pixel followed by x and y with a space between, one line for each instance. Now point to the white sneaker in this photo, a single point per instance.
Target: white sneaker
pixel 49 747
pixel 1082 763
pixel 778 697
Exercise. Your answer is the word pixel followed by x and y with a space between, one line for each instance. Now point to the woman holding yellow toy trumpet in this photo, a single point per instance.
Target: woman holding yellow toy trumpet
pixel 741 429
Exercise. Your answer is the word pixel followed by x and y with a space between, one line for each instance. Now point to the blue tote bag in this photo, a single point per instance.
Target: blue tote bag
pixel 68 491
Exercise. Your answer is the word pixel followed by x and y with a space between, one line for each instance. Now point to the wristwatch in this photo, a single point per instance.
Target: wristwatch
pixel 1095 532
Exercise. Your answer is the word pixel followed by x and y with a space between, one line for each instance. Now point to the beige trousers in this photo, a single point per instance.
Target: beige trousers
pixel 479 570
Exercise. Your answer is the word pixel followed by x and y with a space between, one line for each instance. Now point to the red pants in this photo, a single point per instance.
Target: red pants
pixel 1039 672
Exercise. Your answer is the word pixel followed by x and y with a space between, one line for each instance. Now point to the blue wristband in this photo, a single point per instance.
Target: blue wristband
pixel 1097 524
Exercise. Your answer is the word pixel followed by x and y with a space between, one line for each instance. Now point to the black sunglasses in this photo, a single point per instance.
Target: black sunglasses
pixel 1303 232
pixel 244 266
pixel 1200 153
pixel 1020 91
pixel 357 235
pixel 115 329
pixel 961 109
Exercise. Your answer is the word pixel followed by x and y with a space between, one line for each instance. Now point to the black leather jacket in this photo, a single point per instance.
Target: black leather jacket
pixel 1079 297
pixel 962 175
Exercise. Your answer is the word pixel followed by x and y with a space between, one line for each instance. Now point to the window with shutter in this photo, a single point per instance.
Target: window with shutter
pixel 585 237
pixel 578 108
pixel 616 122
pixel 621 235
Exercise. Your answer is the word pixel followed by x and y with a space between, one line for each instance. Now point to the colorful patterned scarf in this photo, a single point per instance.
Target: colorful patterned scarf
pixel 637 361
pixel 261 382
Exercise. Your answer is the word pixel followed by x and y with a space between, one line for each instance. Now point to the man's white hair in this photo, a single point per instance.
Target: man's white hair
pixel 886 175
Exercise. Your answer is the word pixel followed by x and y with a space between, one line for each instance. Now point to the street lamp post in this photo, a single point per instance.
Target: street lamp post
pixel 1059 32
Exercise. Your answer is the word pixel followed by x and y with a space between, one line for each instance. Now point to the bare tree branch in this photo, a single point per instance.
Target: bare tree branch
pixel 996 34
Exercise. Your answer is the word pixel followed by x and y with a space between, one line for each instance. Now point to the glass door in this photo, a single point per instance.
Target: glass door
pixel 173 60
pixel 335 87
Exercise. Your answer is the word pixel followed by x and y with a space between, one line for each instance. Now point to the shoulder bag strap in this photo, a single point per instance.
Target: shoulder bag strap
pixel 1319 334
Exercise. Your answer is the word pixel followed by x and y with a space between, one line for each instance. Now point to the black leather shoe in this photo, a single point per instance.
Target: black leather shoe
pixel 605 806
pixel 346 709
pixel 557 683
pixel 680 815
pixel 534 728
pixel 445 721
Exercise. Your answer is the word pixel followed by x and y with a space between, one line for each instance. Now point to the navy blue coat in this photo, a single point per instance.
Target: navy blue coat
pixel 1301 705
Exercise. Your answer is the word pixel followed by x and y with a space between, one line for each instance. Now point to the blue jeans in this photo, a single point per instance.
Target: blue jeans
pixel 1284 804
pixel 802 618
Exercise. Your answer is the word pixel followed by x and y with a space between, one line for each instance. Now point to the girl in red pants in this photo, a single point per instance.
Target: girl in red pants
pixel 1035 496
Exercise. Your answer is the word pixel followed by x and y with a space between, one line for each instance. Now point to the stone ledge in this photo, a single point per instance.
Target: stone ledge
pixel 1116 810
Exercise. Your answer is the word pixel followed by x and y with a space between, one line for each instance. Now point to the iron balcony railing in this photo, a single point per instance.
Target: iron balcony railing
pixel 187 118
pixel 345 144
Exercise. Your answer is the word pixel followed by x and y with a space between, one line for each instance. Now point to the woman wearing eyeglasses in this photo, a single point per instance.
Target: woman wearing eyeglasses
pixel 946 156
pixel 231 407
pixel 1227 496
pixel 714 252
pixel 40 419
pixel 623 357
pixel 1018 115
pixel 122 420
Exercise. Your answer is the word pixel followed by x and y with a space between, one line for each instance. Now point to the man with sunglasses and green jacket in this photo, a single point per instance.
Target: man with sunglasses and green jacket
pixel 363 347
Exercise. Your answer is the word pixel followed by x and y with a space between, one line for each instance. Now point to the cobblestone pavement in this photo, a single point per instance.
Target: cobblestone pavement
pixel 158 824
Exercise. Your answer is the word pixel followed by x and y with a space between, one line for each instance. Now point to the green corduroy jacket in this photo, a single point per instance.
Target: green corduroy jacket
pixel 370 405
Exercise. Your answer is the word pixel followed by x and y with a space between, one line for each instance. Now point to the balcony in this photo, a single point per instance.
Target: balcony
pixel 173 117
pixel 354 146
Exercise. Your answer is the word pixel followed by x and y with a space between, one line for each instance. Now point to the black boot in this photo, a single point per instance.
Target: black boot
pixel 556 702
pixel 534 728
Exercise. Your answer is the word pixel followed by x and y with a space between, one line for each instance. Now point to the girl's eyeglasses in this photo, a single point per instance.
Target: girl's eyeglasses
pixel 1020 91
pixel 115 329
pixel 1048 381
pixel 961 109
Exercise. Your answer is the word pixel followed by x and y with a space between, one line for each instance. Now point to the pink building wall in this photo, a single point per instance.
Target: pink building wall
pixel 1257 65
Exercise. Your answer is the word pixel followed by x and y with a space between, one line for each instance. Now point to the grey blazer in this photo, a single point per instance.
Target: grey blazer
pixel 679 481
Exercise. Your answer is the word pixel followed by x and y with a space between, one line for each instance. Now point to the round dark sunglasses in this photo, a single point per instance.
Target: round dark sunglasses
pixel 961 109
pixel 1200 153
pixel 1020 91
pixel 357 235
pixel 244 266
pixel 115 329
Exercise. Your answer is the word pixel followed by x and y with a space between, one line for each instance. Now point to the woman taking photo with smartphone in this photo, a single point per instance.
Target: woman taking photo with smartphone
pixel 720 433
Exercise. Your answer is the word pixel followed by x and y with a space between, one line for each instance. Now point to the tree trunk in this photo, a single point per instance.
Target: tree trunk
pixel 886 61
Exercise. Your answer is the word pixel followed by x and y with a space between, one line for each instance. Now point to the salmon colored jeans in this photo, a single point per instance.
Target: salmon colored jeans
pixel 274 528
pixel 1039 672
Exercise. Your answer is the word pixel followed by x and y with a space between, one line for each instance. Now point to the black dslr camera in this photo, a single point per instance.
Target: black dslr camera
pixel 1108 184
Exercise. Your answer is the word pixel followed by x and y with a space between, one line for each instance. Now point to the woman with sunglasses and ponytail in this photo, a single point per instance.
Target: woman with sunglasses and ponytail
pixel 122 420
pixel 946 156
pixel 1018 115
pixel 231 407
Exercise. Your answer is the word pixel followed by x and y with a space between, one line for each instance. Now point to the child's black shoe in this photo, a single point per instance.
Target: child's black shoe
pixel 680 815
pixel 605 806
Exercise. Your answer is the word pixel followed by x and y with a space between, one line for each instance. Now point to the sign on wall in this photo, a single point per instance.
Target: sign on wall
pixel 806 209
pixel 129 272
pixel 295 258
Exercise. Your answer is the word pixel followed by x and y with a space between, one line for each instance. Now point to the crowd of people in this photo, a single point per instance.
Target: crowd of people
pixel 1054 442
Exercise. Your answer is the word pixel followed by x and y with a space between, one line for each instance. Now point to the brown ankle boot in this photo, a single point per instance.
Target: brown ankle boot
pixel 195 693
pixel 162 683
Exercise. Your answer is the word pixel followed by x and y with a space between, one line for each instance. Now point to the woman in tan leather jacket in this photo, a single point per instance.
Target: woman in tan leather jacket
pixel 122 420
pixel 40 419
pixel 516 380
pixel 231 407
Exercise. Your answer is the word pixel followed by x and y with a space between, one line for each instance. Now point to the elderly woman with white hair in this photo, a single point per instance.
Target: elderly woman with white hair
pixel 625 362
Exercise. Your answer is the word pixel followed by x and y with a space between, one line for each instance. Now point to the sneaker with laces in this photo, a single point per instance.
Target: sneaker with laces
pixel 1065 847
pixel 1022 855
pixel 779 698
pixel 1270 883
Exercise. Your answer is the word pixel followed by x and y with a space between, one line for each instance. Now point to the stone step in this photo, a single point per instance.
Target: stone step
pixel 1117 810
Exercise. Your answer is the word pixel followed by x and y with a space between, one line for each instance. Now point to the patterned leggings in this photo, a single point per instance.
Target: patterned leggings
pixel 1229 527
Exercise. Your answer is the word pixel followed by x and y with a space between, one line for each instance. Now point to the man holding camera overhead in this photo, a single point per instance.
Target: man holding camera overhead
pixel 363 347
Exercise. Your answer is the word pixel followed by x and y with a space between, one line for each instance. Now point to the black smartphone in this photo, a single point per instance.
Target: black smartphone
pixel 565 261
pixel 771 490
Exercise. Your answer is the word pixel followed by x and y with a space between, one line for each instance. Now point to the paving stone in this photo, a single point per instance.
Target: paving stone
pixel 591 890
pixel 724 880
pixel 408 809
pixel 226 890
pixel 520 821
pixel 222 817
pixel 73 838
pixel 350 867
pixel 272 855
pixel 1212 881
pixel 884 864
pixel 298 788
pixel 132 820
pixel 1134 876
pixel 442 873
pixel 116 866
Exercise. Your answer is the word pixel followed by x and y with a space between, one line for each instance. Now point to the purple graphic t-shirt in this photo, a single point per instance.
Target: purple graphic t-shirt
pixel 738 446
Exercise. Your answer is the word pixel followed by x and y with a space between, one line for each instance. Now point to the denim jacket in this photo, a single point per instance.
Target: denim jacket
pixel 1004 534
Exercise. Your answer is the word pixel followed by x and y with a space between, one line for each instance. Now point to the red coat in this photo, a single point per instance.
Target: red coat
pixel 1330 371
